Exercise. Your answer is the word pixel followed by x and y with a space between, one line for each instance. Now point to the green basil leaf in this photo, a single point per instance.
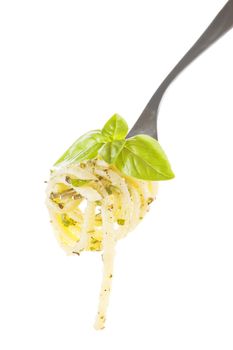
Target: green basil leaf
pixel 116 128
pixel 86 147
pixel 142 157
pixel 110 151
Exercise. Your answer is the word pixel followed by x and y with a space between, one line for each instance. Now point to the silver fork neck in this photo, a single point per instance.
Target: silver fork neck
pixel 223 22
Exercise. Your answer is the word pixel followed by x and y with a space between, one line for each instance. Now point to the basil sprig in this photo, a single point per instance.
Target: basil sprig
pixel 140 156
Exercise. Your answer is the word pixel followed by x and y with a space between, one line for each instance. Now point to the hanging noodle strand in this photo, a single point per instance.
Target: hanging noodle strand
pixel 92 205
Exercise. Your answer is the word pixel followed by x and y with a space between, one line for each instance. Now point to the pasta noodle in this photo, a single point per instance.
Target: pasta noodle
pixel 92 205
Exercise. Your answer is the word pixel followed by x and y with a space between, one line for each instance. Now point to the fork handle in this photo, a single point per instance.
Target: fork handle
pixel 220 25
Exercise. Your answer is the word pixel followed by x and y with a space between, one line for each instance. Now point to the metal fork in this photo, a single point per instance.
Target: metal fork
pixel 147 122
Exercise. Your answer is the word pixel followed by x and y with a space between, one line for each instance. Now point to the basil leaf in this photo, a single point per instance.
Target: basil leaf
pixel 116 128
pixel 142 157
pixel 86 147
pixel 110 151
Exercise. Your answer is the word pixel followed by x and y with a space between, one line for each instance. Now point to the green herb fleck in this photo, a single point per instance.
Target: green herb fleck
pixel 67 221
pixel 76 182
pixel 150 200
pixel 111 188
pixel 94 240
pixel 108 189
pixel 121 222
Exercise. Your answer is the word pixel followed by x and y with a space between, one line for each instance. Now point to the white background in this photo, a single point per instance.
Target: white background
pixel 65 68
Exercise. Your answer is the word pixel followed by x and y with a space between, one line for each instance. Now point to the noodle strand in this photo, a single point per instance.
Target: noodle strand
pixel 92 205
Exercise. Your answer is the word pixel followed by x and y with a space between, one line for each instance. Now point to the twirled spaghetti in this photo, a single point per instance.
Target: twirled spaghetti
pixel 92 205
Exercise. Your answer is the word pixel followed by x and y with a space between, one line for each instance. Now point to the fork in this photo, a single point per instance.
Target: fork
pixel 147 122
